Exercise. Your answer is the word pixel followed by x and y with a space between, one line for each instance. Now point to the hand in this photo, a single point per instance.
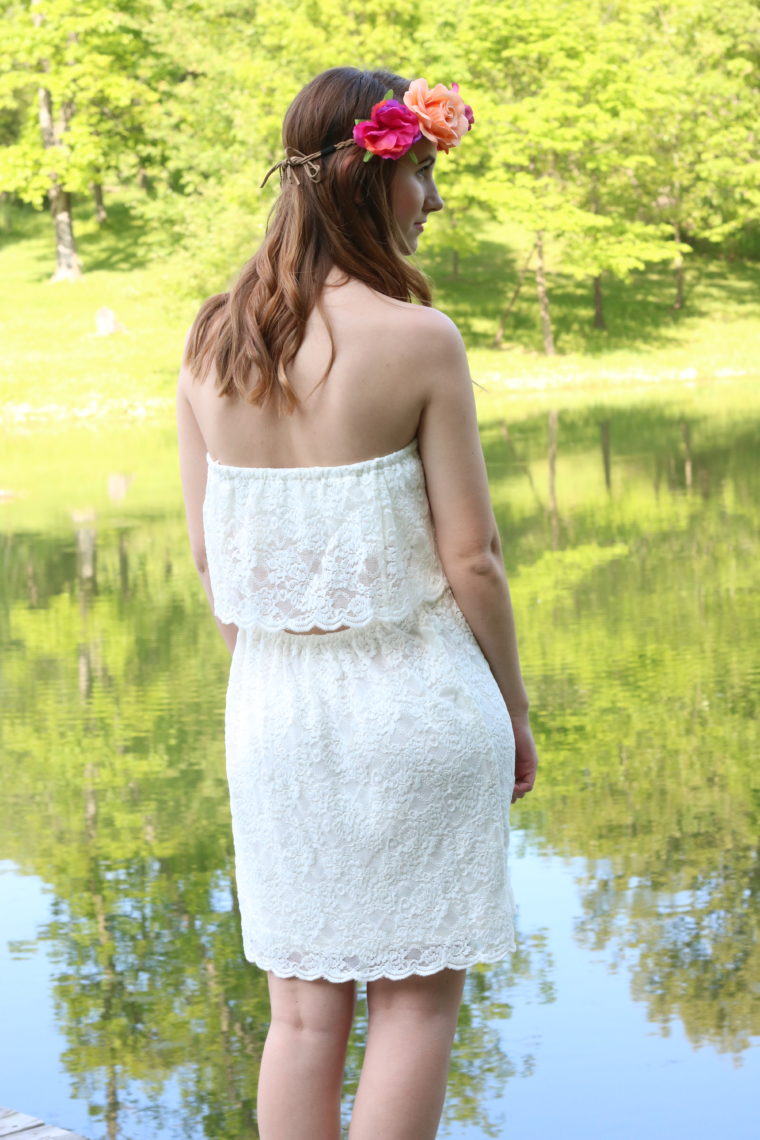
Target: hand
pixel 526 758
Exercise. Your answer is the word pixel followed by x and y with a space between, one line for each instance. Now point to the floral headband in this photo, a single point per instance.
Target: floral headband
pixel 393 128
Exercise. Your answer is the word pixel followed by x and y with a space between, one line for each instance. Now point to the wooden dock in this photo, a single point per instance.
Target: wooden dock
pixel 30 1128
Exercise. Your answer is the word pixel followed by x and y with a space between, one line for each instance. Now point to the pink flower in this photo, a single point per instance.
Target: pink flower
pixel 391 130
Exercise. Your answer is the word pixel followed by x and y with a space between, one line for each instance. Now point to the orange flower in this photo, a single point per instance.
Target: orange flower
pixel 441 113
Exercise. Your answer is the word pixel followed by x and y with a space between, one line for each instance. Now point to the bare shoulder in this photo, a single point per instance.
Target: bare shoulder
pixel 435 353
pixel 440 336
pixel 434 324
pixel 425 336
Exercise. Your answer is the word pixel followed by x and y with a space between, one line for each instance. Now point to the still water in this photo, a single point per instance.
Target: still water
pixel 630 528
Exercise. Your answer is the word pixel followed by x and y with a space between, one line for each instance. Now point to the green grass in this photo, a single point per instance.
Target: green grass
pixel 53 364
pixel 54 367
pixel 715 335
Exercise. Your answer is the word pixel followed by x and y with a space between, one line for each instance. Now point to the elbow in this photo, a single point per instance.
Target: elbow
pixel 200 560
pixel 481 560
pixel 477 566
pixel 487 564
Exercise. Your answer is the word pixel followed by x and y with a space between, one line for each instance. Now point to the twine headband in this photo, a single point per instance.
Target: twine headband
pixel 308 162
pixel 439 114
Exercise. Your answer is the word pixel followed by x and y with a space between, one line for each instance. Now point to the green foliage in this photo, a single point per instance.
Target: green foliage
pixel 624 132
pixel 99 65
pixel 616 124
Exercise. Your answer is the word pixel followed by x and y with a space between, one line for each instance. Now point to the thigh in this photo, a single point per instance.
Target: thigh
pixel 435 995
pixel 317 1005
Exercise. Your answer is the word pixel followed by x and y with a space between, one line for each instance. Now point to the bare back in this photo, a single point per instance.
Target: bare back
pixel 400 373
pixel 370 405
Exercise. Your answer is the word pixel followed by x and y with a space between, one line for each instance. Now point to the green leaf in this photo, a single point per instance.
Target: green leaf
pixel 367 156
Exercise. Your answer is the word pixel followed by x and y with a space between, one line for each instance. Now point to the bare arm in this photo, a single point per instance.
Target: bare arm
pixel 192 462
pixel 466 532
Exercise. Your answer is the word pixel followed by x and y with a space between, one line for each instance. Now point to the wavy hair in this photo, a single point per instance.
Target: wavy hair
pixel 253 333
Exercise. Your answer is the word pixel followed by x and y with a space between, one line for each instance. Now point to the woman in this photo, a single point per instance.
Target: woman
pixel 340 520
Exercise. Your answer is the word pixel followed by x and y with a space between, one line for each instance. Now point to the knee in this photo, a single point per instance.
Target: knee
pixel 302 1023
pixel 297 1014
pixel 301 1035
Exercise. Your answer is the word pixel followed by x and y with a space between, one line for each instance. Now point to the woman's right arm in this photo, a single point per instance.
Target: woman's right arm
pixel 467 536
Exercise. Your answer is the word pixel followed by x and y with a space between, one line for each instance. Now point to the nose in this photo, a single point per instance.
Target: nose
pixel 433 201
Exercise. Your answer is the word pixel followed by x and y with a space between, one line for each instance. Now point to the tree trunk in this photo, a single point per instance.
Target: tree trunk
pixel 599 321
pixel 543 297
pixel 109 983
pixel 100 209
pixel 678 266
pixel 687 463
pixel 6 216
pixel 499 338
pixel 525 467
pixel 455 266
pixel 552 464
pixel 604 436
pixel 67 266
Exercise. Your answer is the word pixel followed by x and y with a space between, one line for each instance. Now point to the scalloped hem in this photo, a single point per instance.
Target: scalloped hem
pixel 372 974
pixel 338 621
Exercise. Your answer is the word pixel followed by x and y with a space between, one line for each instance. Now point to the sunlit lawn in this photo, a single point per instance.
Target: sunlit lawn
pixel 54 366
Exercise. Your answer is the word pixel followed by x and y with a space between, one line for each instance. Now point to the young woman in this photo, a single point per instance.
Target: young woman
pixel 376 720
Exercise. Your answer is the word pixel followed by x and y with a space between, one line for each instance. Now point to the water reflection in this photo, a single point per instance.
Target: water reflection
pixel 632 542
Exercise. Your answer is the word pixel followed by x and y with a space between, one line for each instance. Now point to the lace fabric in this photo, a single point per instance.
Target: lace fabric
pixel 370 771
pixel 370 776
pixel 298 548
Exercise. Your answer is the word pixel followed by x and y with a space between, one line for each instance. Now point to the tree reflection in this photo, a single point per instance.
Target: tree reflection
pixel 641 648
pixel 635 615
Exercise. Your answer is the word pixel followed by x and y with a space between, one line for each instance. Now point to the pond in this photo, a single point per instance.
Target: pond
pixel 631 534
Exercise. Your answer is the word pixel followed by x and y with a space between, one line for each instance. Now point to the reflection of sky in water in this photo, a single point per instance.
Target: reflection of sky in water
pixel 587 1064
pixel 602 1069
pixel 32 1077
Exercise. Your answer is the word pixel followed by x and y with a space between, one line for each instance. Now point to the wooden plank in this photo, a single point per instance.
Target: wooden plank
pixel 18 1124
pixel 48 1132
pixel 13 1122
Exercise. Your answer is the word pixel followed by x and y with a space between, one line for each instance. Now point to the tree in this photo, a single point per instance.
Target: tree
pixel 86 77
pixel 613 137
pixel 700 120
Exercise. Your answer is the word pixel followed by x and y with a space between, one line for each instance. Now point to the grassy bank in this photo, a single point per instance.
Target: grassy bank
pixel 55 367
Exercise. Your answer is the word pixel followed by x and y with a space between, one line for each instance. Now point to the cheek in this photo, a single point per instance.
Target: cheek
pixel 410 192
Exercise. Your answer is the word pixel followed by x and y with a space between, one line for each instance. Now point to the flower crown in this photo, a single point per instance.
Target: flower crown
pixel 393 128
pixel 439 114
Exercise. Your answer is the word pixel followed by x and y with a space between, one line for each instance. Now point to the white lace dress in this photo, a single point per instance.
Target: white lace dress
pixel 370 769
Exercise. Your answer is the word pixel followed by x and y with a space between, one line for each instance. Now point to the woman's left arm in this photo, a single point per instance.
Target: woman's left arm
pixel 192 465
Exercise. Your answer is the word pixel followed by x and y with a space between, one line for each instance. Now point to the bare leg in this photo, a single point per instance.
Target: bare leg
pixel 406 1063
pixel 301 1072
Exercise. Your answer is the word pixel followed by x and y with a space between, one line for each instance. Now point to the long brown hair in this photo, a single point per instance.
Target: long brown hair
pixel 344 219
